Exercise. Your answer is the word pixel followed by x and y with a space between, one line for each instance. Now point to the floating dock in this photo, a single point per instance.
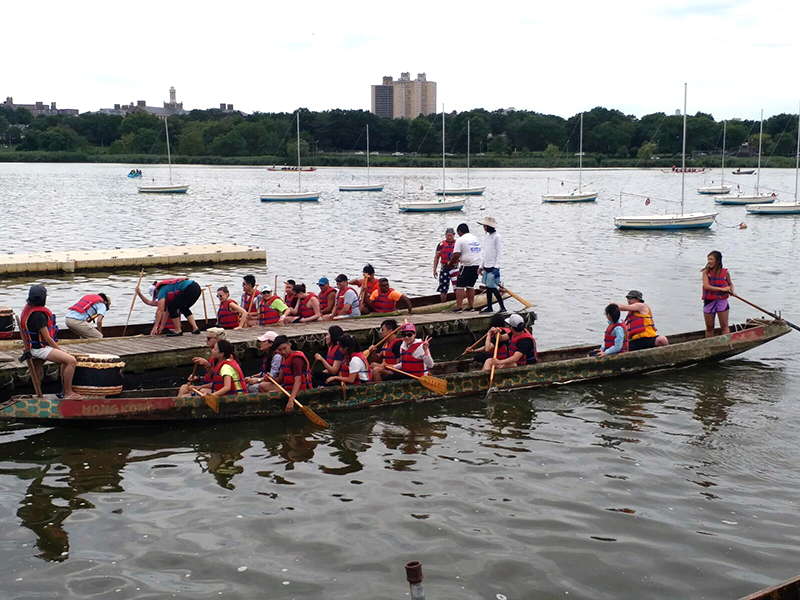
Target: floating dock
pixel 150 354
pixel 134 258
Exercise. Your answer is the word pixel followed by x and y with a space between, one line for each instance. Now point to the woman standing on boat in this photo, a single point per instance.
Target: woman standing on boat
pixel 716 287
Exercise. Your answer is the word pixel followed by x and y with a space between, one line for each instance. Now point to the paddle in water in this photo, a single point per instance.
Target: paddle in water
pixel 434 384
pixel 310 414
pixel 494 358
pixel 211 400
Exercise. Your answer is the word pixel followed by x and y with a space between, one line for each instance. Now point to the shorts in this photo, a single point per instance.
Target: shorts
pixel 489 280
pixel 712 307
pixel 183 302
pixel 446 277
pixel 467 276
pixel 642 343
pixel 41 353
pixel 252 388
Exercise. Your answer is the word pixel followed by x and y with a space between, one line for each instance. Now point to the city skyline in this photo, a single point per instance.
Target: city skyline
pixel 558 59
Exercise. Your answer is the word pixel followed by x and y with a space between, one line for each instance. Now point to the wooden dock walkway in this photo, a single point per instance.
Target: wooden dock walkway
pixel 84 260
pixel 143 354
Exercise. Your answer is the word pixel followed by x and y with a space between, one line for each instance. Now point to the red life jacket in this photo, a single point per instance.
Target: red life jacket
pixel 390 353
pixel 217 380
pixel 170 295
pixel 328 297
pixel 718 280
pixel 371 286
pixel 382 304
pixel 366 363
pixel 245 304
pixel 502 349
pixel 411 364
pixel 211 376
pixel 639 324
pixel 331 354
pixel 305 310
pixel 609 339
pixel 266 314
pixel 82 306
pixel 288 378
pixel 532 357
pixel 340 301
pixel 33 336
pixel 226 318
pixel 289 299
pixel 446 253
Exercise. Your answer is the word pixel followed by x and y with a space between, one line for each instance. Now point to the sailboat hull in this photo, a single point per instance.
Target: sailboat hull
pixel 742 200
pixel 296 197
pixel 431 206
pixel 466 191
pixel 776 208
pixel 361 188
pixel 714 189
pixel 569 197
pixel 666 222
pixel 163 189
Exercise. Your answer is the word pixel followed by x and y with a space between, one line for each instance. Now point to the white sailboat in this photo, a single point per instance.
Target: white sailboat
pixel 711 190
pixel 783 208
pixel 375 187
pixel 757 197
pixel 683 220
pixel 458 191
pixel 443 204
pixel 298 196
pixel 580 196
pixel 165 189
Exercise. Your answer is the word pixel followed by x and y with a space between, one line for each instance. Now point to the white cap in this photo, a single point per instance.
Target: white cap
pixel 515 321
pixel 268 337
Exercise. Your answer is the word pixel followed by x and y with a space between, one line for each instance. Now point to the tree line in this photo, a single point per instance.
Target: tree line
pixel 607 132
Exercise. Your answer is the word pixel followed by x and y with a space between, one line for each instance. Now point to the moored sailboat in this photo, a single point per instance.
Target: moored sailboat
pixel 298 196
pixel 165 189
pixel 722 188
pixel 375 187
pixel 576 195
pixel 458 191
pixel 757 197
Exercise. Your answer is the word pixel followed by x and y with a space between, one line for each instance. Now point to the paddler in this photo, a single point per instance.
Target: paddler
pixel 355 368
pixel 327 296
pixel 226 369
pixel 270 365
pixel 306 310
pixel 521 347
pixel 332 361
pixel 40 329
pixel 229 314
pixel 213 335
pixel 387 354
pixel 295 370
pixel 642 332
pixel 384 299
pixel 172 297
pixel 415 353
pixel 716 287
pixel 615 340
pixel 348 303
pixel 250 296
pixel 497 325
pixel 80 315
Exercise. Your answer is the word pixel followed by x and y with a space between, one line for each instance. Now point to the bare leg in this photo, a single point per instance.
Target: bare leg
pixel 723 322
pixel 662 341
pixel 487 364
pixel 192 322
pixel 68 364
pixel 177 323
pixel 460 295
pixel 709 319
pixel 470 297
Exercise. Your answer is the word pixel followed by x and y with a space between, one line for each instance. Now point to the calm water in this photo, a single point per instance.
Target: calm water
pixel 665 486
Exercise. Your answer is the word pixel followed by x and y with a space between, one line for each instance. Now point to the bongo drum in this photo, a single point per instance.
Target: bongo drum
pixel 6 323
pixel 98 375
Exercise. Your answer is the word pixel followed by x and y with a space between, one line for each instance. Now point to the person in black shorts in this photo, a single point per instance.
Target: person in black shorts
pixel 467 255
pixel 642 332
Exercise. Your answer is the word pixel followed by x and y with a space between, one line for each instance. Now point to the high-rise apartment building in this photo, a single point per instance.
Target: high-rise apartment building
pixel 404 98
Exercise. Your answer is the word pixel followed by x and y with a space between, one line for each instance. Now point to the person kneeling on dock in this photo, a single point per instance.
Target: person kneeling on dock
pixel 227 376
pixel 415 354
pixel 213 335
pixel 229 314
pixel 40 329
pixel 80 315
pixel 355 367
pixel 521 347
pixel 615 340
pixel 384 299
pixel 172 297
pixel 271 365
pixel 642 332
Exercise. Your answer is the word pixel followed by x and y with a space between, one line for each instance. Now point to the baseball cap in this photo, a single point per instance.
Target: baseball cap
pixel 322 281
pixel 268 337
pixel 341 277
pixel 634 294
pixel 515 321
pixel 37 292
pixel 408 327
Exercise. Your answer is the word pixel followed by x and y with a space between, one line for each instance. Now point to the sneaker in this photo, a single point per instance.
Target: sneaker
pixel 469 309
pixel 457 310
pixel 174 333
pixel 197 331
pixel 488 309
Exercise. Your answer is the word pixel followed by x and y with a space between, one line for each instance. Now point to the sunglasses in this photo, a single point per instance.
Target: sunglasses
pixel 408 334
pixel 219 296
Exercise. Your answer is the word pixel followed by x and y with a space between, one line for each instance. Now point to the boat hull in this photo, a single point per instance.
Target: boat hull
pixel 291 169
pixel 467 191
pixel 310 197
pixel 589 197
pixel 666 222
pixel 742 200
pixel 361 188
pixel 748 172
pixel 431 206
pixel 134 176
pixel 776 208
pixel 714 190
pixel 163 189
pixel 566 365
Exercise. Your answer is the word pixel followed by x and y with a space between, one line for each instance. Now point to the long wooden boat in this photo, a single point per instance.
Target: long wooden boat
pixel 420 304
pixel 565 365
pixel 291 169
pixel 788 590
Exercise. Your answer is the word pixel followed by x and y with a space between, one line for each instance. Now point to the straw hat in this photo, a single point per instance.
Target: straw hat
pixel 488 221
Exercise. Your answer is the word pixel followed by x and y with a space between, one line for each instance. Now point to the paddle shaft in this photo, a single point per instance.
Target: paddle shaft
pixel 366 352
pixel 473 346
pixel 496 346
pixel 37 385
pixel 517 297
pixel 310 414
pixel 211 295
pixel 130 312
pixel 205 308
pixel 771 314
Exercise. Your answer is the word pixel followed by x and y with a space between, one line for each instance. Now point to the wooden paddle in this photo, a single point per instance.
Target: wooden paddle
pixel 434 384
pixel 37 384
pixel 130 312
pixel 344 391
pixel 366 352
pixel 205 308
pixel 473 346
pixel 517 297
pixel 252 299
pixel 211 400
pixel 773 315
pixel 312 416
pixel 491 376
pixel 211 295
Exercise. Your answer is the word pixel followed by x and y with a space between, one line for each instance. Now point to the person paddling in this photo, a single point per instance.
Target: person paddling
pixel 226 368
pixel 80 315
pixel 355 368
pixel 521 347
pixel 642 332
pixel 415 353
pixel 270 365
pixel 332 361
pixel 213 335
pixel 716 287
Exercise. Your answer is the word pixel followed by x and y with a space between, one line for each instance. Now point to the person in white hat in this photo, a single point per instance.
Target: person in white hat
pixel 213 335
pixel 521 346
pixel 271 365
pixel 490 263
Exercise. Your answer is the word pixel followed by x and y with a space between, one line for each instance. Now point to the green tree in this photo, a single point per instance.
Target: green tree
pixel 498 144
pixel 552 152
pixel 767 145
pixel 60 139
pixel 291 148
pixel 4 127
pixel 230 144
pixel 190 141
pixel 23 116
pixel 646 151
pixel 423 136
pixel 145 142
pixel 138 121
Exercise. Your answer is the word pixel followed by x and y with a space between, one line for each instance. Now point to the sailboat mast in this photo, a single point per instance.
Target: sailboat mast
pixel 724 131
pixel 299 174
pixel 467 152
pixel 758 172
pixel 169 157
pixel 580 159
pixel 797 161
pixel 367 154
pixel 443 150
pixel 683 156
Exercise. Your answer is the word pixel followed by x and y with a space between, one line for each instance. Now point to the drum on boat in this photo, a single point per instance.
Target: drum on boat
pixel 6 323
pixel 98 375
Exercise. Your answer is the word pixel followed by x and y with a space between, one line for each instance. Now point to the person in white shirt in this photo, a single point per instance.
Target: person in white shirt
pixel 415 353
pixel 348 304
pixel 466 254
pixel 490 263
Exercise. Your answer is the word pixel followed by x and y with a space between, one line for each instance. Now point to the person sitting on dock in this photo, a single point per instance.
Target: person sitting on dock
pixel 40 330
pixel 347 302
pixel 295 370
pixel 270 309
pixel 332 361
pixel 615 340
pixel 306 310
pixel 446 275
pixel 227 369
pixel 327 296
pixel 368 282
pixel 173 297
pixel 716 288
pixel 80 315
pixel 642 332
pixel 384 299
pixel 229 314
pixel 521 347
pixel 213 335
pixel 355 368
pixel 415 353
pixel 288 293
pixel 497 325
pixel 250 296
pixel 271 365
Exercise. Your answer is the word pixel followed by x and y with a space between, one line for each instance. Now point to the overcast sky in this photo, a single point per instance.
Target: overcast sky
pixel 557 57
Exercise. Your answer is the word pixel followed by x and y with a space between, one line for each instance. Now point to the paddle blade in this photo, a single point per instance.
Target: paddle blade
pixel 434 384
pixel 314 417
pixel 212 401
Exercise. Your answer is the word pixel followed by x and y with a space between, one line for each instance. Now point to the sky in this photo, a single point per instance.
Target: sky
pixel 558 57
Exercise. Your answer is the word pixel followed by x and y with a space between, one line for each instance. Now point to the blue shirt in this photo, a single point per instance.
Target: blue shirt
pixel 619 339
pixel 173 287
pixel 98 308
